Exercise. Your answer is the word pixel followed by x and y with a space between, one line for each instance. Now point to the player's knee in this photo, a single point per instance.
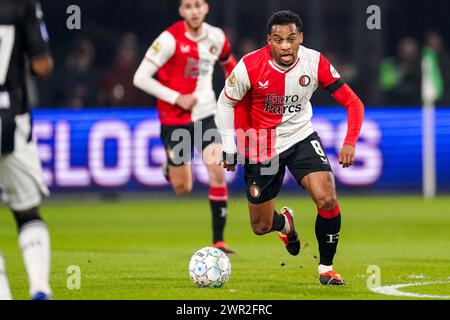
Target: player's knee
pixel 182 188
pixel 260 228
pixel 327 202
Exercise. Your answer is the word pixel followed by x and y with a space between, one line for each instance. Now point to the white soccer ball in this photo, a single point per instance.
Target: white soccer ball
pixel 209 267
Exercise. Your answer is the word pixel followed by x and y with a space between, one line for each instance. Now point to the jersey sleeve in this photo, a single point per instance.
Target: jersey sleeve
pixel 236 87
pixel 327 74
pixel 226 50
pixel 226 57
pixel 162 49
pixel 330 80
pixel 36 35
pixel 238 83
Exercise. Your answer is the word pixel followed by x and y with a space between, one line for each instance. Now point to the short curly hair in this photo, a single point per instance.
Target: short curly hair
pixel 283 18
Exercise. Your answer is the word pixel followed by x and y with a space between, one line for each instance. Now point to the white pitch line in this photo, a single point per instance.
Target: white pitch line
pixel 392 290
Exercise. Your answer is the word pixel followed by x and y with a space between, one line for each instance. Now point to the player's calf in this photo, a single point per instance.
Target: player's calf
pixel 328 225
pixel 218 197
pixel 327 229
pixel 181 179
pixel 34 241
pixel 182 189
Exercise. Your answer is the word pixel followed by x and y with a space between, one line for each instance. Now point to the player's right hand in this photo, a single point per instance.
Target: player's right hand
pixel 186 101
pixel 346 156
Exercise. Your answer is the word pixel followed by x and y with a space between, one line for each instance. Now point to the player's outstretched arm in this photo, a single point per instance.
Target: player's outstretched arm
pixel 355 114
pixel 330 80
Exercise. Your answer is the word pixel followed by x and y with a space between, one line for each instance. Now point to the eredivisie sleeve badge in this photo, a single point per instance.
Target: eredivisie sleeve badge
pixel 232 80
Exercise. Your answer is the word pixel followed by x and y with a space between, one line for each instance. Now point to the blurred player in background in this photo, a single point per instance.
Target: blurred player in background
pixel 5 291
pixel 23 48
pixel 183 58
pixel 267 99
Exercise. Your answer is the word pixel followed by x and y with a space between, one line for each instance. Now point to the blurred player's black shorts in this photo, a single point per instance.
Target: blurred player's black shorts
pixel 263 180
pixel 179 141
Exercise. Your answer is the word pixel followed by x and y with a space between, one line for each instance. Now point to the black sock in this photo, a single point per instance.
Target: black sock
pixel 23 217
pixel 278 222
pixel 219 216
pixel 327 234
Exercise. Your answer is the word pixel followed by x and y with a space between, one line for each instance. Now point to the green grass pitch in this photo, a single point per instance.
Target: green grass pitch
pixel 138 249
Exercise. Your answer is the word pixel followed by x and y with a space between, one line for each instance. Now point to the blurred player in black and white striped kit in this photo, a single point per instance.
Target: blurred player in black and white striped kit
pixel 23 49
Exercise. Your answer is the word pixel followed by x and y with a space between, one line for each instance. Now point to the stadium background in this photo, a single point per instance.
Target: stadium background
pixel 95 66
pixel 98 139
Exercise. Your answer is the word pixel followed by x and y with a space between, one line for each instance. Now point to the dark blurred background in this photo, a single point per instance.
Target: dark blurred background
pixel 95 65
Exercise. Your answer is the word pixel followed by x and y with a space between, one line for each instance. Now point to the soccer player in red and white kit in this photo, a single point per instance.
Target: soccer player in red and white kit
pixel 183 57
pixel 265 103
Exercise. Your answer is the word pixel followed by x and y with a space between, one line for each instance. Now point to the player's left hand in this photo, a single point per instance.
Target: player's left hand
pixel 228 167
pixel 346 156
pixel 232 158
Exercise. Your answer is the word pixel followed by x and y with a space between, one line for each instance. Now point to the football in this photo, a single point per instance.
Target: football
pixel 209 268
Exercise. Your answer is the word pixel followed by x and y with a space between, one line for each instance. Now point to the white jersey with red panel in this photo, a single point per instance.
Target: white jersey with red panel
pixel 186 64
pixel 273 109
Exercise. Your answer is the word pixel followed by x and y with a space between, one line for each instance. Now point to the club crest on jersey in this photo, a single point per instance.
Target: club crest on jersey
pixel 255 192
pixel 156 47
pixel 213 49
pixel 304 80
pixel 232 80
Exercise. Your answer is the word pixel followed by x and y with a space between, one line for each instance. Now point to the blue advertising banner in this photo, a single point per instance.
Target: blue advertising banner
pixel 120 150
